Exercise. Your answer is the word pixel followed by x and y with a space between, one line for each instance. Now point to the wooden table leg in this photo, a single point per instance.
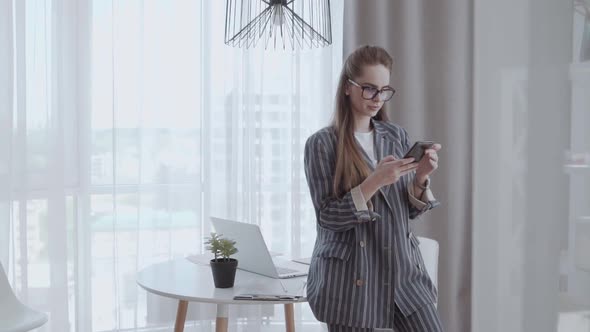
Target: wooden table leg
pixel 289 317
pixel 221 320
pixel 180 316
pixel 221 324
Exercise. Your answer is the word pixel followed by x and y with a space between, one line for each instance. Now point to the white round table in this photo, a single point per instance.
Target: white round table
pixel 189 282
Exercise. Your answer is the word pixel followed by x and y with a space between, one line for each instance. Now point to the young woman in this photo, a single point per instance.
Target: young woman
pixel 366 271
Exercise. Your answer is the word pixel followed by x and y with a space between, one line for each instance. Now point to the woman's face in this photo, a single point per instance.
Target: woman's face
pixel 376 77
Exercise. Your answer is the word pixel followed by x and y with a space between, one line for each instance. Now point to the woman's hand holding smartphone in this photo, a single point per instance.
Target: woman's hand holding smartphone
pixel 390 170
pixel 418 149
pixel 427 165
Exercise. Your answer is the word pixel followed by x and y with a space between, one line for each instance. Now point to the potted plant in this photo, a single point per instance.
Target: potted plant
pixel 222 266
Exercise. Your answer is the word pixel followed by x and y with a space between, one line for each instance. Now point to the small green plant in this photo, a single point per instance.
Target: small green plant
pixel 221 247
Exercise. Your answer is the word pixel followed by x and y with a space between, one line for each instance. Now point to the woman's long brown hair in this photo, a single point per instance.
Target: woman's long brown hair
pixel 351 168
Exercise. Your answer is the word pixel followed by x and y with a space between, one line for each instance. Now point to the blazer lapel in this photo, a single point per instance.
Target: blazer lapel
pixel 384 146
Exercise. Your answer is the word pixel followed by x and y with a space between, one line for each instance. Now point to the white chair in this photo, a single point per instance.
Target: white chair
pixel 429 250
pixel 14 315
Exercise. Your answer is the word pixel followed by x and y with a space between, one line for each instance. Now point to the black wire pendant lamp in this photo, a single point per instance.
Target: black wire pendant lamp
pixel 280 23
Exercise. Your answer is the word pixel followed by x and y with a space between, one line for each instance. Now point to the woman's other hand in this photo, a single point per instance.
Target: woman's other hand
pixel 429 162
pixel 388 171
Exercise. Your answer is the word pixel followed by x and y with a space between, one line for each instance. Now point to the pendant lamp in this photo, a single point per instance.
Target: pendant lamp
pixel 293 24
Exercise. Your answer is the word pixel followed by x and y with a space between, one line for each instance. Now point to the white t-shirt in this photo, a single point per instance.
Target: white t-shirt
pixel 366 141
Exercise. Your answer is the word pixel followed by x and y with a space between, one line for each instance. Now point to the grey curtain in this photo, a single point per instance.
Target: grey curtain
pixel 431 44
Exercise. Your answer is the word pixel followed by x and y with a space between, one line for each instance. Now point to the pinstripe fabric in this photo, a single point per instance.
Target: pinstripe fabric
pixel 340 328
pixel 364 262
pixel 424 319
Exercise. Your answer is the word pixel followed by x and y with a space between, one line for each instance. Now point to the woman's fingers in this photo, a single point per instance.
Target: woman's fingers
pixel 432 155
pixel 387 159
pixel 402 164
pixel 408 167
pixel 406 172
pixel 399 162
pixel 406 161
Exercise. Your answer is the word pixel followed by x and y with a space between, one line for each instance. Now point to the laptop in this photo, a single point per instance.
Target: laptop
pixel 253 255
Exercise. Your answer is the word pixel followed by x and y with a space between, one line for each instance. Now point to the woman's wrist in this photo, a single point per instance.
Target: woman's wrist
pixel 368 187
pixel 422 185
pixel 421 180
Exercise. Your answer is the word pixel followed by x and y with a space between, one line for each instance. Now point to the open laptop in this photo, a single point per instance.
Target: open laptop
pixel 253 255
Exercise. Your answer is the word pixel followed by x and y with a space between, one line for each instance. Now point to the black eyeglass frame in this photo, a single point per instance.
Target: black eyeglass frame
pixel 377 92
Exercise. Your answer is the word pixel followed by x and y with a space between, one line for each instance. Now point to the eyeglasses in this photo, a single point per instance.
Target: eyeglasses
pixel 369 92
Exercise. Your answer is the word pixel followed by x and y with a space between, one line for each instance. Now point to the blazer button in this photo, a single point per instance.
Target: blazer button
pixel 362 244
pixel 359 282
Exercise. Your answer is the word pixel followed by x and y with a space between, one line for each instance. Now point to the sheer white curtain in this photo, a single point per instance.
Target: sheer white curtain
pixel 125 125
pixel 6 102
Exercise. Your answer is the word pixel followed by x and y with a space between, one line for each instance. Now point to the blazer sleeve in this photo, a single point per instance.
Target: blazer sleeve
pixel 335 214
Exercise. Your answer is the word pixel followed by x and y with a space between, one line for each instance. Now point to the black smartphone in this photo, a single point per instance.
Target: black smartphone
pixel 417 150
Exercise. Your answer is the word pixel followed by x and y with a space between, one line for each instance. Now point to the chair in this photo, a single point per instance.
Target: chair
pixel 14 315
pixel 429 250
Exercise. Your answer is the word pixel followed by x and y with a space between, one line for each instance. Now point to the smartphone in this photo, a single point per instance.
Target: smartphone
pixel 417 150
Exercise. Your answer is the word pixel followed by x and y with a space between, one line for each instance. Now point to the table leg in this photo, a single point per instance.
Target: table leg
pixel 289 317
pixel 221 320
pixel 180 316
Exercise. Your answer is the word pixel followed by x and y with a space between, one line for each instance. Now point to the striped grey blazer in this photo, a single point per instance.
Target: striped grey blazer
pixel 364 262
